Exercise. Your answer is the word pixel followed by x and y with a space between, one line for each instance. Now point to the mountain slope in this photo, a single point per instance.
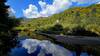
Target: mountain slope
pixel 86 17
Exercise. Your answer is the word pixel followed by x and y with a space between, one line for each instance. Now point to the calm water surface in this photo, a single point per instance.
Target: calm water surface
pixel 33 47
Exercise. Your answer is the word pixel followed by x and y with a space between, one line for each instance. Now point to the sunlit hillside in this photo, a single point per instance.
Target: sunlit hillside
pixel 85 17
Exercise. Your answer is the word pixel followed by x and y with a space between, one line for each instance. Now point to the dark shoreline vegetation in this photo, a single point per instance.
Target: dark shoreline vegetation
pixel 7 34
pixel 75 21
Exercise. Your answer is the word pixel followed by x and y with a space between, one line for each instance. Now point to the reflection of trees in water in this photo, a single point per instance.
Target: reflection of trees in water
pixel 7 35
pixel 79 31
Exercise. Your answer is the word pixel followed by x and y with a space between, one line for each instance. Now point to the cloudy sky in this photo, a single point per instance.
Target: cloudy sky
pixel 44 8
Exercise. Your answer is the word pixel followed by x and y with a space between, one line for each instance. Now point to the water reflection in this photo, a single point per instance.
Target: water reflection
pixel 33 47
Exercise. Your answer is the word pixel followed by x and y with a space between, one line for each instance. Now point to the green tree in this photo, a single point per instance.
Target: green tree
pixel 7 34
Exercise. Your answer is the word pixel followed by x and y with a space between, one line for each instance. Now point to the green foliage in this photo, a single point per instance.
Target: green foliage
pixel 85 17
pixel 79 31
pixel 56 29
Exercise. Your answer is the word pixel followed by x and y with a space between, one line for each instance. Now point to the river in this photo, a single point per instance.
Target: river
pixel 34 47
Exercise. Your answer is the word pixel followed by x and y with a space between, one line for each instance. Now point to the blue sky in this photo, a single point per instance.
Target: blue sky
pixel 45 8
pixel 19 5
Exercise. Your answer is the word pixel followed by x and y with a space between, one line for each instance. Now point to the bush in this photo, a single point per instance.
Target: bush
pixel 80 31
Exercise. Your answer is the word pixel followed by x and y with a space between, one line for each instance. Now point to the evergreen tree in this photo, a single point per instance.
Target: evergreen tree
pixel 7 35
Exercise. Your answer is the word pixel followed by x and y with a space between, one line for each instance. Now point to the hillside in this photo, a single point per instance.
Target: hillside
pixel 85 17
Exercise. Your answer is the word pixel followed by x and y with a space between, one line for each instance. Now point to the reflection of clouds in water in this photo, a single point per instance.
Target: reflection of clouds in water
pixel 39 48
pixel 33 47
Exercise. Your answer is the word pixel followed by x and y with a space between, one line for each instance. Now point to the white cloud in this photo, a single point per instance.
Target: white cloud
pixel 47 10
pixel 98 3
pixel 31 12
pixel 11 11
pixel 56 7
